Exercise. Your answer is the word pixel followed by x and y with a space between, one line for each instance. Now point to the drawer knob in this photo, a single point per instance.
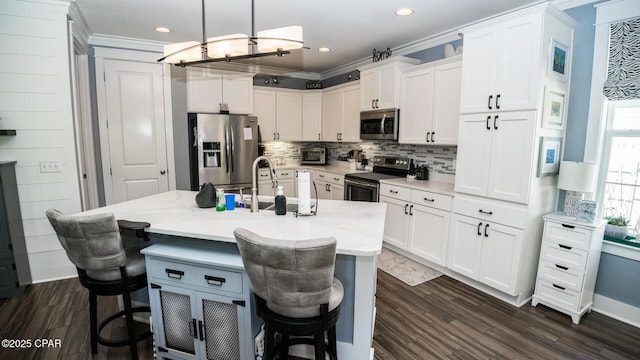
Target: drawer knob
pixel 431 200
pixel 214 280
pixel 174 274
pixel 485 212
pixel 393 191
pixel 562 267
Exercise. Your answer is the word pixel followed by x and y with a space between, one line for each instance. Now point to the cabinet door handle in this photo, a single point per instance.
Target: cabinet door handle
pixel 565 247
pixel 433 133
pixel 377 106
pixel 495 125
pixel 318 136
pixel 411 210
pixel 278 136
pixel 485 230
pixel 428 135
pixel 405 209
pixel 558 287
pixel 174 274
pixel 489 102
pixel 487 125
pixel 162 172
pixel 430 200
pixel 274 136
pixel 214 280
pixel 195 329
pixel 393 191
pixel 562 267
pixel 479 226
pixel 284 174
pixel 568 226
pixel 485 212
pixel 320 175
pixel 201 328
pixel 498 101
pixel 336 179
pixel 372 103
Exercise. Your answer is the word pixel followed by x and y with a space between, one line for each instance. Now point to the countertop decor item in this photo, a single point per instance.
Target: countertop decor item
pixel 616 227
pixel 206 197
pixel 576 178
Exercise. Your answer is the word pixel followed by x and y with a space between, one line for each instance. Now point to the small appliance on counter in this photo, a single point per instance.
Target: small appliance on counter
pixel 422 172
pixel 314 156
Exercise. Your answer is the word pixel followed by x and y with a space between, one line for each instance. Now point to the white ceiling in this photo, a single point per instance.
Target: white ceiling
pixel 351 28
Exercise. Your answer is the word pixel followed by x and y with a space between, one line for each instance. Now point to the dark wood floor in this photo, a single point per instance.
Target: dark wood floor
pixel 440 319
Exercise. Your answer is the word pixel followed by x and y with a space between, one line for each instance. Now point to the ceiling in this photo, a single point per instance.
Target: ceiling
pixel 350 28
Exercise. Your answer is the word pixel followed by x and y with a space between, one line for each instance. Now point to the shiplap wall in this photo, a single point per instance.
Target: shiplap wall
pixel 35 99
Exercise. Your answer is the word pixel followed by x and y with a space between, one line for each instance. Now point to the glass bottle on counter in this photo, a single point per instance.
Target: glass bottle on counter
pixel 220 203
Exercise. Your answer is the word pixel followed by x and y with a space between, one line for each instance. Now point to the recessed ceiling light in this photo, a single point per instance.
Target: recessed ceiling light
pixel 324 49
pixel 404 12
pixel 163 29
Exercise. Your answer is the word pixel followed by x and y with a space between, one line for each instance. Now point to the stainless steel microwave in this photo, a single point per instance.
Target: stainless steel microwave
pixel 379 124
pixel 313 156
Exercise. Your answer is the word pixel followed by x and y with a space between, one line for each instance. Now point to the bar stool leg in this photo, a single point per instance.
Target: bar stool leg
pixel 93 321
pixel 320 345
pixel 333 349
pixel 131 330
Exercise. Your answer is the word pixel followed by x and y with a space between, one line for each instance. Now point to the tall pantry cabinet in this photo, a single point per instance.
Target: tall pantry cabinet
pixel 496 226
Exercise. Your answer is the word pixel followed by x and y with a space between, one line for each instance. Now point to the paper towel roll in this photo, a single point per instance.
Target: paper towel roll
pixel 304 192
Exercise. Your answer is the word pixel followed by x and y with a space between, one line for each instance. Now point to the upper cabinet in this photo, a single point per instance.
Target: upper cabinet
pixel 430 103
pixel 341 114
pixel 207 89
pixel 380 83
pixel 279 114
pixel 312 115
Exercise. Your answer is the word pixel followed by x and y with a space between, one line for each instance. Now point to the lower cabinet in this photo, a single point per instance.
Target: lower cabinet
pixel 201 305
pixel 330 186
pixel 485 251
pixel 417 221
pixel 284 178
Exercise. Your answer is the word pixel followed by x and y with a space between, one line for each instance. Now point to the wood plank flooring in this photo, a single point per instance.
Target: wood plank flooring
pixel 439 319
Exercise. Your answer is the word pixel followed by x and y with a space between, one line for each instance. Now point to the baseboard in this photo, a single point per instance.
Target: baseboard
pixel 55 279
pixel 617 310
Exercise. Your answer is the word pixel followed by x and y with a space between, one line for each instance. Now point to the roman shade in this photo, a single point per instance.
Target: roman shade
pixel 623 73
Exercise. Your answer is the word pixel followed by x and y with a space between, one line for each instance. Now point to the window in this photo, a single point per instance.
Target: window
pixel 620 183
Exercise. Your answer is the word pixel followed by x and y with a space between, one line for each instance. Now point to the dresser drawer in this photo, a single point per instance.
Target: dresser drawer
pixel 514 215
pixel 573 258
pixel 567 235
pixel 561 275
pixel 205 277
pixel 557 295
pixel 426 198
pixel 285 174
pixel 395 192
pixel 337 179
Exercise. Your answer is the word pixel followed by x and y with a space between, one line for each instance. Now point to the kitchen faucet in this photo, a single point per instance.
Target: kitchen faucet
pixel 254 184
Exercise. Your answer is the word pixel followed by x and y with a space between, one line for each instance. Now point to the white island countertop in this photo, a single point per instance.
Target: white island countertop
pixel 357 226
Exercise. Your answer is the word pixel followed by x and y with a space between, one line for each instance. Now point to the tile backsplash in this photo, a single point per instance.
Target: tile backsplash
pixel 440 159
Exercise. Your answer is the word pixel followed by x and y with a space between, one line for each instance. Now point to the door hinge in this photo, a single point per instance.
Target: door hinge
pixel 155 286
pixel 240 302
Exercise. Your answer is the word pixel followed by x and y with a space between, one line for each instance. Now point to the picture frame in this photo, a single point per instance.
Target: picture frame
pixel 549 156
pixel 559 60
pixel 554 109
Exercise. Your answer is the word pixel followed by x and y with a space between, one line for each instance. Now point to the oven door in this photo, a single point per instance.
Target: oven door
pixel 357 190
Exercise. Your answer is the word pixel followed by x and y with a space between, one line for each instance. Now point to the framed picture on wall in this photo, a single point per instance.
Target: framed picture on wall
pixel 553 112
pixel 558 61
pixel 549 156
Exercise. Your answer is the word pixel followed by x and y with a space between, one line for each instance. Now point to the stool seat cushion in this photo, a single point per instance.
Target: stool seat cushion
pixel 337 293
pixel 135 266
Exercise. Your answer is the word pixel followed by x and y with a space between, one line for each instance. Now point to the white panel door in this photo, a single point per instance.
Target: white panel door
pixel 337 192
pixel 416 106
pixel 446 112
pixel 387 86
pixel 311 116
pixel 237 92
pixel 395 222
pixel 264 107
pixel 501 248
pixel 479 70
pixel 511 156
pixel 331 115
pixel 350 115
pixel 204 90
pixel 289 116
pixel 369 89
pixel 429 230
pixel 474 154
pixel 136 130
pixel 465 245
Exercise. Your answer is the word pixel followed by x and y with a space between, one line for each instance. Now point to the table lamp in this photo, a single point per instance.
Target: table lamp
pixel 576 178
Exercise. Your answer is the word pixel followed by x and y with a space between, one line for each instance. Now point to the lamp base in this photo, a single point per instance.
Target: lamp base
pixel 571 201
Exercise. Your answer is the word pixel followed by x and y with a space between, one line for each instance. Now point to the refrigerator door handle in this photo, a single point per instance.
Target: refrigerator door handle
pixel 195 136
pixel 233 148
pixel 226 136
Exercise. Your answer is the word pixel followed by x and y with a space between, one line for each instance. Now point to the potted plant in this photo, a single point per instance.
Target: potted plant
pixel 616 227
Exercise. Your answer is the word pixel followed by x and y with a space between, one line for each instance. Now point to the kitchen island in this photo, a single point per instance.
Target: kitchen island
pixel 357 226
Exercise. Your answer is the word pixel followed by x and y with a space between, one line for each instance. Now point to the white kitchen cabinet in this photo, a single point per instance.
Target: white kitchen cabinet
pixel 380 83
pixel 341 114
pixel 485 251
pixel 199 299
pixel 207 89
pixel 279 114
pixel 417 221
pixel 502 64
pixel 284 178
pixel 495 155
pixel 430 103
pixel 568 267
pixel 330 185
pixel 311 115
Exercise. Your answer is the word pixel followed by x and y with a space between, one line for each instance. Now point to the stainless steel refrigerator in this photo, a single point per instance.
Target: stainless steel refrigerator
pixel 223 148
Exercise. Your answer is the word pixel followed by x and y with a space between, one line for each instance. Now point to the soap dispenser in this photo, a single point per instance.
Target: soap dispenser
pixel 220 203
pixel 281 202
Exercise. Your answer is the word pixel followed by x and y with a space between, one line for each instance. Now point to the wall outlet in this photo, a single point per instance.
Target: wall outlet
pixel 50 166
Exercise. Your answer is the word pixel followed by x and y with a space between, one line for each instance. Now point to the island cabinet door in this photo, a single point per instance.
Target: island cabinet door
pixel 190 324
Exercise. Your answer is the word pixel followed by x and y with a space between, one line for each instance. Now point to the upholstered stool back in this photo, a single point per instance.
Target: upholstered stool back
pixel 293 276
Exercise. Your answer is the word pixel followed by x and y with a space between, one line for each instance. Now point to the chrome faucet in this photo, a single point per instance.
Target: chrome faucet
pixel 254 184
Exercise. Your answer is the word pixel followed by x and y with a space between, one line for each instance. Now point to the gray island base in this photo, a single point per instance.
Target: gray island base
pixel 199 293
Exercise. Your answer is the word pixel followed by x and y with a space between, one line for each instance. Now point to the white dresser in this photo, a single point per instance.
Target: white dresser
pixel 568 267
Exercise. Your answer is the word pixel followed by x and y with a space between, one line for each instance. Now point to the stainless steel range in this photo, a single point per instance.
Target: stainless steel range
pixel 366 186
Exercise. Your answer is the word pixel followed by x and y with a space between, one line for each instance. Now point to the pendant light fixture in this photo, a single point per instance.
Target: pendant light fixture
pixel 279 41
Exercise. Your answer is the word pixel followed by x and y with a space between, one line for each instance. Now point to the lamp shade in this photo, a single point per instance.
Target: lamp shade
pixel 191 51
pixel 285 38
pixel 228 45
pixel 577 176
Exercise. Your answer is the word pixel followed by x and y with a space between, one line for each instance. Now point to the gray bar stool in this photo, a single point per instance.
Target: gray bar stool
pixel 94 245
pixel 295 289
